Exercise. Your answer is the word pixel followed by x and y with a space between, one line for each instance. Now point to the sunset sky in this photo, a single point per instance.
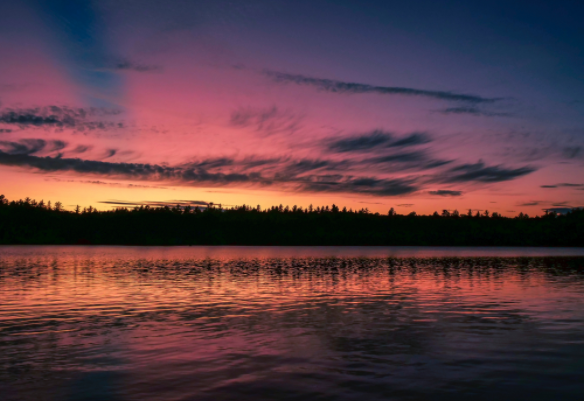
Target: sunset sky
pixel 420 105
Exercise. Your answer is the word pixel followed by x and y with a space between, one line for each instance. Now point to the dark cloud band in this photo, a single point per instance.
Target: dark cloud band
pixel 300 175
pixel 62 117
pixel 478 172
pixel 376 140
pixel 443 192
pixel 563 185
pixel 330 85
pixel 182 203
pixel 194 174
pixel 474 111
pixel 30 146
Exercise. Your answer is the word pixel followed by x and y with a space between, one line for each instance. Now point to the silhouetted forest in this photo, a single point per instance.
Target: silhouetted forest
pixel 30 222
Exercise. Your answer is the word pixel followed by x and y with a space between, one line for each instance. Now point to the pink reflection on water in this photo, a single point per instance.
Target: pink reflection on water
pixel 182 322
pixel 246 252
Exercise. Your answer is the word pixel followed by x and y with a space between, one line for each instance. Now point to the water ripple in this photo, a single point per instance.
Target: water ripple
pixel 109 323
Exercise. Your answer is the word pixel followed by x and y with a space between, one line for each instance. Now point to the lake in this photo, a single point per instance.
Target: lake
pixel 305 323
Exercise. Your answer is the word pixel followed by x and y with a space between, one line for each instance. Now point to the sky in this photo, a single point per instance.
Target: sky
pixel 419 105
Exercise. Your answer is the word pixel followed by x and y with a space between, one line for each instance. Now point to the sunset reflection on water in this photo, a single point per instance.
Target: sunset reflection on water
pixel 180 323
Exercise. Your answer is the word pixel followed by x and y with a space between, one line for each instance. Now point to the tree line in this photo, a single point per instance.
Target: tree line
pixel 30 222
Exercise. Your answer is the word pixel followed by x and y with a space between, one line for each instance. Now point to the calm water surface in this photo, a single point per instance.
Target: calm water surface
pixel 247 323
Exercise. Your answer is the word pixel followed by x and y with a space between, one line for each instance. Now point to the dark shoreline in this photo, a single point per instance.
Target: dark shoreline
pixel 30 223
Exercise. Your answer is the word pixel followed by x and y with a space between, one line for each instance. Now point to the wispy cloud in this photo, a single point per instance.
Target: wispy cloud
pixel 61 117
pixel 444 192
pixel 363 185
pixel 170 203
pixel 330 85
pixel 375 140
pixel 107 183
pixel 127 65
pixel 387 175
pixel 193 174
pixel 82 148
pixel 110 153
pixel 475 111
pixel 563 185
pixel 417 160
pixel 31 146
pixel 267 121
pixel 415 138
pixel 564 203
pixel 532 203
pixel 128 170
pixel 298 167
pixel 404 157
pixel 479 172
pixel 359 143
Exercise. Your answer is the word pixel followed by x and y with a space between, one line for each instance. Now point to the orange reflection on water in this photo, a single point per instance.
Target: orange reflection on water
pixel 183 322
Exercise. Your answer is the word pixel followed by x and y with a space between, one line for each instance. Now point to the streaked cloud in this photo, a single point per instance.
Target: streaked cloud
pixel 362 185
pixel 563 185
pixel 267 121
pixel 341 87
pixel 30 146
pixel 127 65
pixel 479 172
pixel 400 172
pixel 475 111
pixel 59 117
pixel 284 177
pixel 169 203
pixel 444 192
pixel 375 140
pixel 532 203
